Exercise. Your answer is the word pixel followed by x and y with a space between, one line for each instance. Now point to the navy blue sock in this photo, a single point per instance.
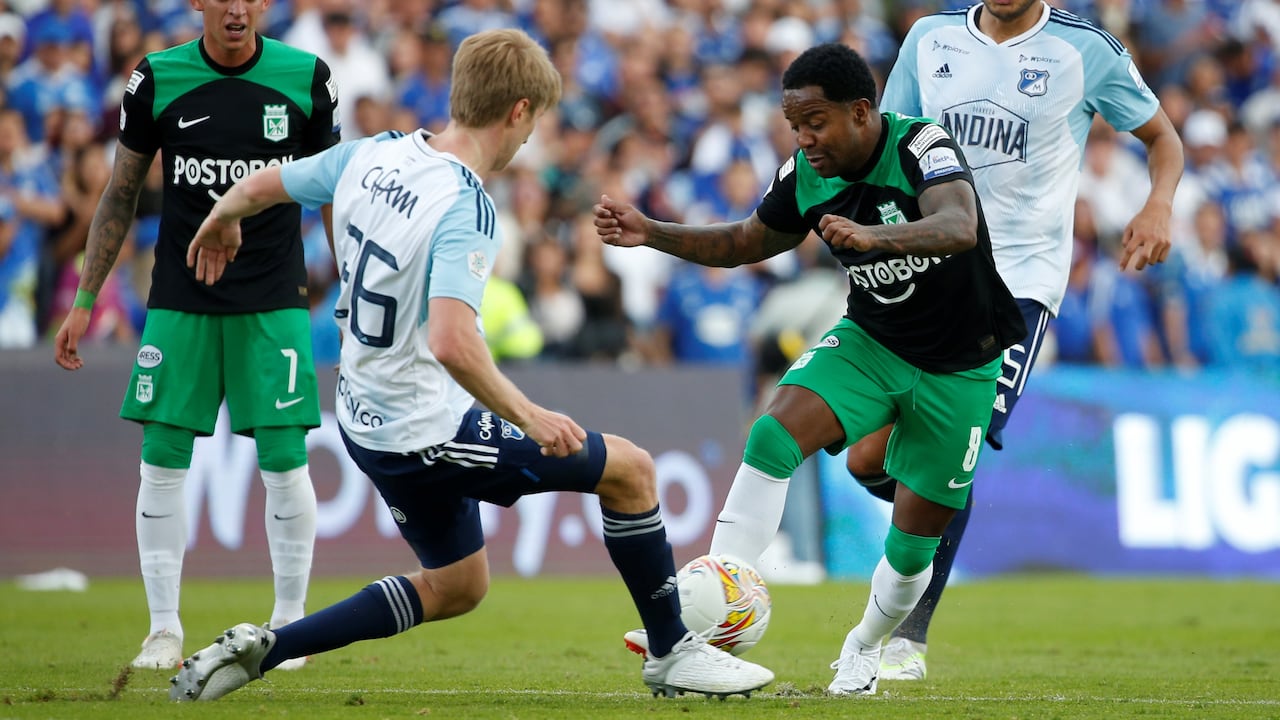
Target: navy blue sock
pixel 916 626
pixel 382 609
pixel 639 549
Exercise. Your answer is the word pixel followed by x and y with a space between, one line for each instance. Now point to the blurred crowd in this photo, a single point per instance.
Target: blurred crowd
pixel 672 105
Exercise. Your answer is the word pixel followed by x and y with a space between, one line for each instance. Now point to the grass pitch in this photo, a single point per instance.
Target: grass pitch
pixel 1059 647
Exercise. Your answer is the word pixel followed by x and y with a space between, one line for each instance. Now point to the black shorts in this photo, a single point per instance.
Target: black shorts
pixel 1019 358
pixel 434 494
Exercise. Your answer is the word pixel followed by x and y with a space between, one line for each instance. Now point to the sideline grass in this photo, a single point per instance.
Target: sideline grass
pixel 1054 647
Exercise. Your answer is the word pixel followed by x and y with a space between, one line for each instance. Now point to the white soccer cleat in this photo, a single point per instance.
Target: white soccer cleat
pixel 161 650
pixel 231 662
pixel 694 666
pixel 902 659
pixel 637 641
pixel 857 669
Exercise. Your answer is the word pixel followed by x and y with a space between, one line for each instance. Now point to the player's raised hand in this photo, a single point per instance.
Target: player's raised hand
pixel 1147 238
pixel 67 342
pixel 618 223
pixel 215 244
pixel 557 433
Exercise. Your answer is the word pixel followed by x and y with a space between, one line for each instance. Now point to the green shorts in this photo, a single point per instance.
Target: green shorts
pixel 939 420
pixel 260 362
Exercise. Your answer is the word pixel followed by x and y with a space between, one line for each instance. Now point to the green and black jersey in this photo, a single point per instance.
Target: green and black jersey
pixel 215 125
pixel 941 314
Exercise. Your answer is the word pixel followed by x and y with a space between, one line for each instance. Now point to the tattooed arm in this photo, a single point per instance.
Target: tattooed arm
pixel 107 232
pixel 113 217
pixel 720 245
pixel 949 225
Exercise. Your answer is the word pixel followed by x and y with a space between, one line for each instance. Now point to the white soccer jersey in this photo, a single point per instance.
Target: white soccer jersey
pixel 1021 111
pixel 410 224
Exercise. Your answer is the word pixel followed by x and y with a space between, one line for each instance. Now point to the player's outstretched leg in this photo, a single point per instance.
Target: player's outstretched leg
pixel 676 660
pixel 231 662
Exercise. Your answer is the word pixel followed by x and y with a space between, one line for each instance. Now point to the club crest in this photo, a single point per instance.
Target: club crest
pixel 275 122
pixel 1033 82
pixel 145 391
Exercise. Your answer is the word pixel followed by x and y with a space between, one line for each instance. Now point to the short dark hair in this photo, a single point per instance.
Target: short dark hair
pixel 840 71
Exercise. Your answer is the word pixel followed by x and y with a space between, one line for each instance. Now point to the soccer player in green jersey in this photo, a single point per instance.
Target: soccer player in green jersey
pixel 217 108
pixel 920 344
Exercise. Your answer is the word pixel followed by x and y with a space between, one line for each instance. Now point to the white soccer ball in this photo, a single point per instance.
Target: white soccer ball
pixel 725 600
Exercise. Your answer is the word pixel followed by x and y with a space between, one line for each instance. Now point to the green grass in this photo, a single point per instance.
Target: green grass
pixel 1054 647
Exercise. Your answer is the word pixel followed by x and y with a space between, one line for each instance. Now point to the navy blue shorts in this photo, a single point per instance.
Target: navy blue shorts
pixel 1018 361
pixel 434 494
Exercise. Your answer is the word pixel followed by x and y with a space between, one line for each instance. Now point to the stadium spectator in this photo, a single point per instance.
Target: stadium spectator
pixel 48 80
pixel 213 107
pixel 1195 271
pixel 1245 311
pixel 555 305
pixel 425 89
pixel 13 32
pixel 33 206
pixel 431 454
pixel 924 214
pixel 1027 187
pixel 607 333
pixel 1241 181
pixel 1172 34
pixel 357 69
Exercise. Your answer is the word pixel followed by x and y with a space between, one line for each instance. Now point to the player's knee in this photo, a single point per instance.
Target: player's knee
pixel 865 458
pixel 167 446
pixel 629 482
pixel 281 449
pixel 771 449
pixel 451 591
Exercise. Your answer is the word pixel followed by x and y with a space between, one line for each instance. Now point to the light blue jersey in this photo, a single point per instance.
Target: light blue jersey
pixel 410 224
pixel 1021 111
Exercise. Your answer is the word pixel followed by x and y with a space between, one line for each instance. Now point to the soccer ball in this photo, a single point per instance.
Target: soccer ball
pixel 724 600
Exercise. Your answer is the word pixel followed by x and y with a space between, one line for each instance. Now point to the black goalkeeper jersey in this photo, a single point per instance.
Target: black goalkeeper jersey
pixel 215 125
pixel 941 314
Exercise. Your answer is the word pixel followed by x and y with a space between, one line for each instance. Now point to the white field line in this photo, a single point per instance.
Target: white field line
pixel 887 697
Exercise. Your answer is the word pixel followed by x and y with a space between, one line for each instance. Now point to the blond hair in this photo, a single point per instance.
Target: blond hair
pixel 494 69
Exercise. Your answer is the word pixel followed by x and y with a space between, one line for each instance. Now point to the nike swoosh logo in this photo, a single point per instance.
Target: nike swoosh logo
pixel 956 486
pixel 291 517
pixel 184 124
pixel 283 405
pixel 154 517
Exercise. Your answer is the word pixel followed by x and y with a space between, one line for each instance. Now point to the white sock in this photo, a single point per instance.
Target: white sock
pixel 161 524
pixel 893 597
pixel 291 537
pixel 751 515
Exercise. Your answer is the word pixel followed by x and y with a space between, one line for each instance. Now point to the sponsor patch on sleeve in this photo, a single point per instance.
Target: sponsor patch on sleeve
pixel 478 265
pixel 926 137
pixel 332 86
pixel 134 81
pixel 940 161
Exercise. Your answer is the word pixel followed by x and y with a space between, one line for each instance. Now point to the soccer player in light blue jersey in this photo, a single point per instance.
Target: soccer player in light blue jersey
pixel 1018 84
pixel 416 237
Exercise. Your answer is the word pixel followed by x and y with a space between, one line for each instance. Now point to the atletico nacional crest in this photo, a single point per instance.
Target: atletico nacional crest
pixel 145 390
pixel 275 122
pixel 1033 82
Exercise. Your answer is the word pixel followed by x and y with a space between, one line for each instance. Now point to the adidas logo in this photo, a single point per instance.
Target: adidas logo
pixel 943 72
pixel 668 588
